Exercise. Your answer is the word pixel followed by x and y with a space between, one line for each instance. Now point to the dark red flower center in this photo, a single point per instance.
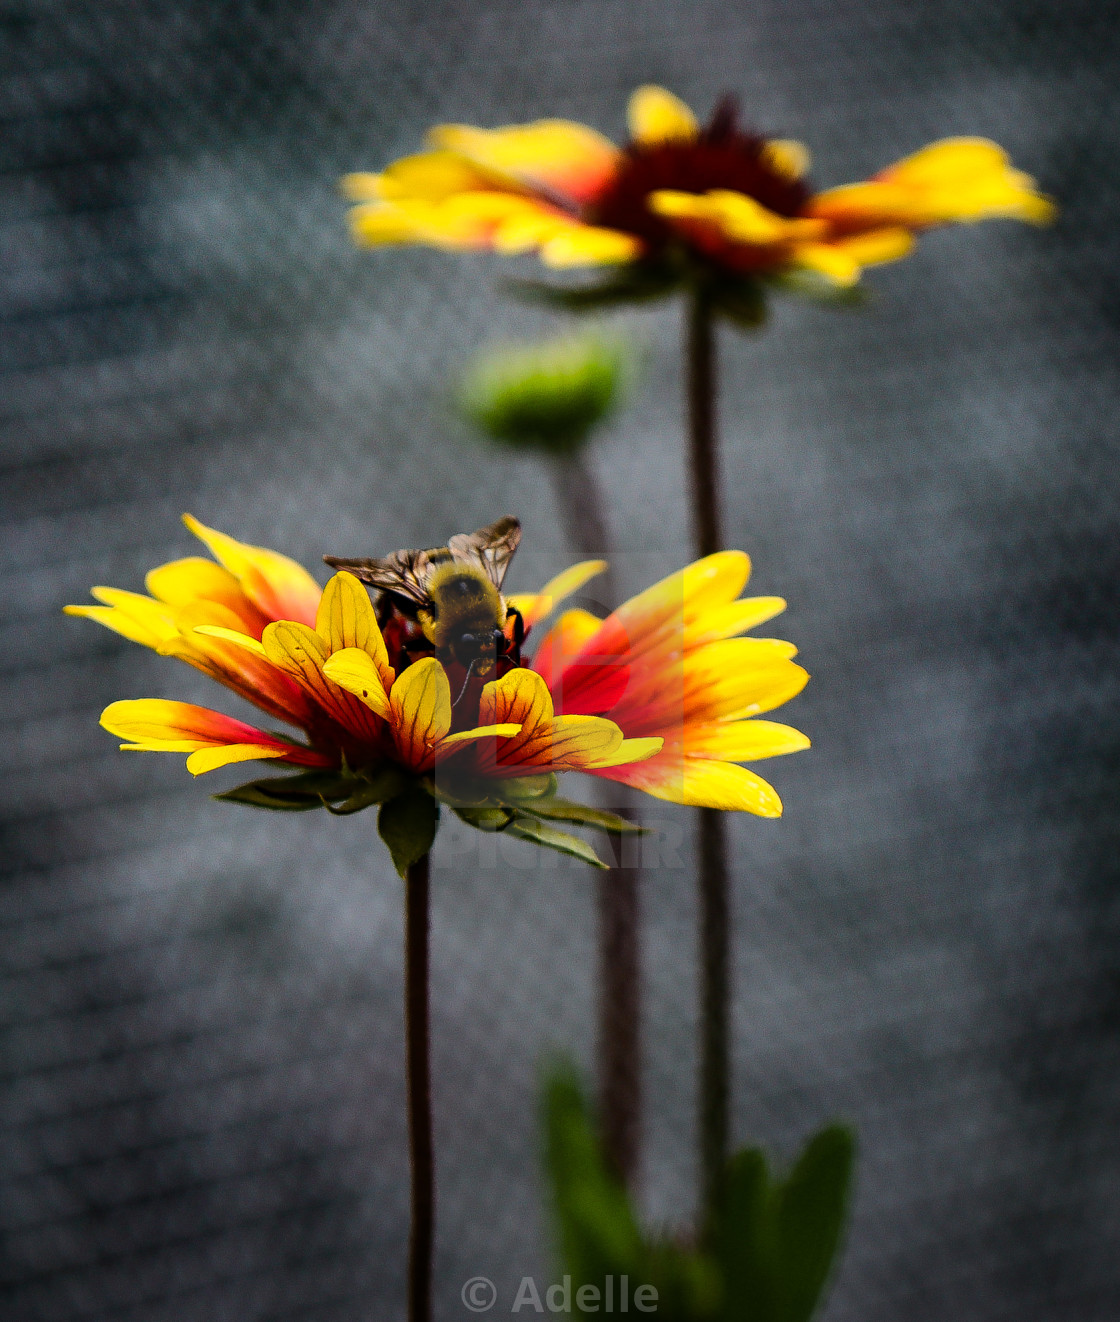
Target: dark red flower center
pixel 722 157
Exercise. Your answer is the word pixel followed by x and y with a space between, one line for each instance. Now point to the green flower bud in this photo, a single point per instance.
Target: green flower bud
pixel 549 396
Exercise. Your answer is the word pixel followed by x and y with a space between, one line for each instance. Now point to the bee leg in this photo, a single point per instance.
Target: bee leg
pixel 513 645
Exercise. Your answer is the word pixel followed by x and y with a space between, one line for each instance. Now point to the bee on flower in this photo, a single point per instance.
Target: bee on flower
pixel 427 692
pixel 679 200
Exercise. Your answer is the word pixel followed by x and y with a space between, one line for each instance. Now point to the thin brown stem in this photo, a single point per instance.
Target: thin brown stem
pixel 714 899
pixel 715 996
pixel 581 503
pixel 620 1077
pixel 418 1047
pixel 700 354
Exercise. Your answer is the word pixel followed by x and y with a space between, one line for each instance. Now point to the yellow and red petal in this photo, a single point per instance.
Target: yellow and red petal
pixel 210 759
pixel 656 618
pixel 276 585
pixel 465 221
pixel 301 653
pixel 969 179
pixel 543 743
pixel 714 581
pixel 730 620
pixel 520 696
pixel 132 615
pixel 563 643
pixel 193 579
pixel 159 725
pixel 209 640
pixel 535 606
pixel 701 784
pixel 556 155
pixel 377 224
pixel 710 664
pixel 346 619
pixel 505 731
pixel 630 750
pixel 656 116
pixel 420 702
pixel 742 741
pixel 561 743
pixel 565 743
pixel 828 260
pixel 787 157
pixel 956 179
pixel 735 217
pixel 734 686
pixel 428 176
pixel 589 245
pixel 355 670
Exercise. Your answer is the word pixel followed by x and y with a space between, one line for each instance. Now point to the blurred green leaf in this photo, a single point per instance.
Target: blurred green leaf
pixel 810 1207
pixel 598 1233
pixel 408 824
pixel 742 1240
pixel 767 1250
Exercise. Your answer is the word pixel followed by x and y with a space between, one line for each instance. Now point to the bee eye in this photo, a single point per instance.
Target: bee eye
pixel 468 638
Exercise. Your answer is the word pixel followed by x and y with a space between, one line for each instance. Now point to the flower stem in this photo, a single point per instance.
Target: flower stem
pixel 620 1094
pixel 713 883
pixel 582 507
pixel 700 353
pixel 418 1048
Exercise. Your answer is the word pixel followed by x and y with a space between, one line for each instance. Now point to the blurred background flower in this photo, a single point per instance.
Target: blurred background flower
pixel 680 202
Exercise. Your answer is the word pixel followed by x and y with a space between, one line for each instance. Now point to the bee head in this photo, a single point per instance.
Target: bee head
pixel 476 649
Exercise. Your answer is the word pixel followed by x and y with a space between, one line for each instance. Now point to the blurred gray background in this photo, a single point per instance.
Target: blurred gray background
pixel 202 1105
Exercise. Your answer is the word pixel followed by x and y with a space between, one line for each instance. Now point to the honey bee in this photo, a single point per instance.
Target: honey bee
pixel 447 600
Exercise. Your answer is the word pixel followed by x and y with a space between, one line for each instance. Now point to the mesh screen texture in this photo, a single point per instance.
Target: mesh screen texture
pixel 202 1106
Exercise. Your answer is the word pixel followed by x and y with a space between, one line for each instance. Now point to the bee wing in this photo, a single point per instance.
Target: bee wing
pixel 405 573
pixel 490 548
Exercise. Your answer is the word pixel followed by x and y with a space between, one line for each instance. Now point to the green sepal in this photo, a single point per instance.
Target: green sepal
pixel 812 285
pixel 519 788
pixel 408 824
pixel 295 793
pixel 538 833
pixel 555 809
pixel 515 790
pixel 379 788
pixel 740 300
pixel 488 817
pixel 636 283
